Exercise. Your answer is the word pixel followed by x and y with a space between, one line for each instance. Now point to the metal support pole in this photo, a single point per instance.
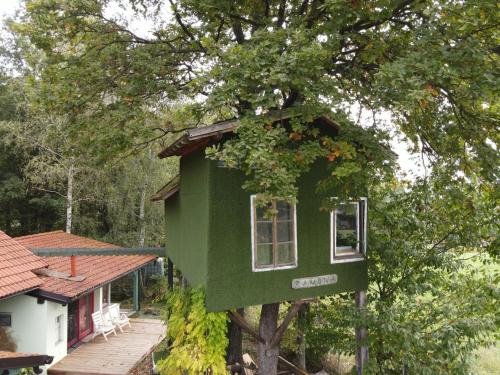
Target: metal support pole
pixel 361 334
pixel 135 296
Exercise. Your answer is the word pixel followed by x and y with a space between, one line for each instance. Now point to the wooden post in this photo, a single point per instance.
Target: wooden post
pixel 361 334
pixel 170 274
pixel 135 296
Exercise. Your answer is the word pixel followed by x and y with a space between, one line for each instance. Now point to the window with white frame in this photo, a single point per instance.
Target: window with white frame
pixel 348 231
pixel 59 328
pixel 274 235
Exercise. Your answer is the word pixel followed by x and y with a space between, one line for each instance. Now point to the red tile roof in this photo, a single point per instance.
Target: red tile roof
pixel 59 239
pixel 97 269
pixel 16 266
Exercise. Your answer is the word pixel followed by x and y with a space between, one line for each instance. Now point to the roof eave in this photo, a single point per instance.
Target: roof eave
pixel 25 291
pixel 25 361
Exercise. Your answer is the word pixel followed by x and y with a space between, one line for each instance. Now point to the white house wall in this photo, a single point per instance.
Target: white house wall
pixel 56 347
pixel 34 325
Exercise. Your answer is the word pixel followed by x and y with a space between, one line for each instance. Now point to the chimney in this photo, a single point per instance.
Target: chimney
pixel 73 266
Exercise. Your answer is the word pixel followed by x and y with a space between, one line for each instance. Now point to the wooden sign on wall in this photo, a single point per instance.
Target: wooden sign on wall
pixel 313 282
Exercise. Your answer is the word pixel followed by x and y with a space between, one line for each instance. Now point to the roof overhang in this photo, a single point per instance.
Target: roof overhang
pixel 168 190
pixel 96 251
pixel 194 139
pixel 23 360
pixel 25 291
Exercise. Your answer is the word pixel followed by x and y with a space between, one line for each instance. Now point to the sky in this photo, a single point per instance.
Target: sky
pixel 143 27
pixel 8 7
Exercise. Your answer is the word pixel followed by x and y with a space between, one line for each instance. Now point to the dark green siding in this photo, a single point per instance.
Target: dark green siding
pixel 231 282
pixel 187 223
pixel 209 239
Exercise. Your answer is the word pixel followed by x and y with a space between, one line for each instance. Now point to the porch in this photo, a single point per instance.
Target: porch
pixel 118 356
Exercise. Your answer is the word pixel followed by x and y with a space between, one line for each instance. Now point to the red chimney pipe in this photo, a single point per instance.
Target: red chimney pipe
pixel 73 266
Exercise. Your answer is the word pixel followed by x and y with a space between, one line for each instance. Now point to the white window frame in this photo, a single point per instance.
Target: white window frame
pixel 253 237
pixel 360 254
pixel 59 328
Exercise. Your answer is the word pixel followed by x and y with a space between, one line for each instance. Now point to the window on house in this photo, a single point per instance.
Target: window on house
pixel 274 243
pixel 5 319
pixel 348 229
pixel 59 329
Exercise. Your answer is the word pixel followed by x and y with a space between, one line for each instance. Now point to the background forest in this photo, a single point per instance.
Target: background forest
pixel 91 90
pixel 110 201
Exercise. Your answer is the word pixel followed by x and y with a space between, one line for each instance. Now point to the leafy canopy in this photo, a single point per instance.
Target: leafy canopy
pixel 431 64
pixel 434 285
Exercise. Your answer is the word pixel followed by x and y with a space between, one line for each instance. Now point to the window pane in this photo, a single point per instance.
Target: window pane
pixel 265 232
pixel 285 253
pixel 346 229
pixel 264 255
pixel 284 210
pixel 261 212
pixel 285 231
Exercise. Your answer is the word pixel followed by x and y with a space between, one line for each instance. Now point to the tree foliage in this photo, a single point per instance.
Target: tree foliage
pixel 198 338
pixel 431 64
pixel 433 291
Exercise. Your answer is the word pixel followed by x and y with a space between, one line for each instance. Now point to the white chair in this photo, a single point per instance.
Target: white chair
pixel 101 326
pixel 119 320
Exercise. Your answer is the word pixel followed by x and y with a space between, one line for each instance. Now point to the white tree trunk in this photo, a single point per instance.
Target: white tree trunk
pixel 69 196
pixel 142 219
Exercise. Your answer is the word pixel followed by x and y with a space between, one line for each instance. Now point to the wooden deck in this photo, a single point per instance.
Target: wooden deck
pixel 117 356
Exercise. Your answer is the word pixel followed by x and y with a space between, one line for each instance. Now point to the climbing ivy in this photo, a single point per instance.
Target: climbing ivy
pixel 198 339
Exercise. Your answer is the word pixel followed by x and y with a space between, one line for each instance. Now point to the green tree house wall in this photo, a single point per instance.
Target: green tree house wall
pixel 209 239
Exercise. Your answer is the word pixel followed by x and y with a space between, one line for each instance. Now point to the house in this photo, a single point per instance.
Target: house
pixel 220 239
pixel 47 303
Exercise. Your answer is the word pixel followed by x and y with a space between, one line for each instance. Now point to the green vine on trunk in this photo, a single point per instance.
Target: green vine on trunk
pixel 198 339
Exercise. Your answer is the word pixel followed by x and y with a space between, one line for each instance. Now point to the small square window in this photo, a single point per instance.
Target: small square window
pixel 5 320
pixel 274 242
pixel 348 231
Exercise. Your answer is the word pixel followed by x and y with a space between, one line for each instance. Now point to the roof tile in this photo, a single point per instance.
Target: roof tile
pixel 16 266
pixel 97 269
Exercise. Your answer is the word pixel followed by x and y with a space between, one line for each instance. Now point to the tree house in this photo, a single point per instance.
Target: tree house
pixel 222 240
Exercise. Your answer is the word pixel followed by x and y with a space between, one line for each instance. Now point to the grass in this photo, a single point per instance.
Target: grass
pixel 488 361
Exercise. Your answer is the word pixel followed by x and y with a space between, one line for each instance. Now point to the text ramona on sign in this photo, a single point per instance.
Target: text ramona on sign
pixel 312 282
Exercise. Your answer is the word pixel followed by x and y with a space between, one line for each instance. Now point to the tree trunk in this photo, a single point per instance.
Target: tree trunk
pixel 142 221
pixel 235 349
pixel 301 337
pixel 69 196
pixel 268 357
